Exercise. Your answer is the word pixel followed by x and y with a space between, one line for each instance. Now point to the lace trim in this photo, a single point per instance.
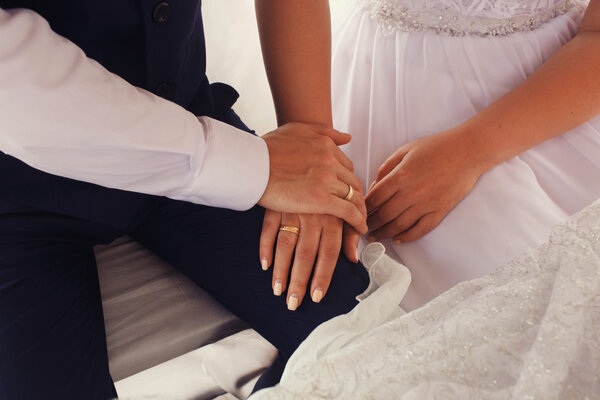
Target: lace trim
pixel 392 16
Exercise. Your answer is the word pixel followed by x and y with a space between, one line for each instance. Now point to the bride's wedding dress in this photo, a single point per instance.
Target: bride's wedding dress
pixel 530 330
pixel 405 69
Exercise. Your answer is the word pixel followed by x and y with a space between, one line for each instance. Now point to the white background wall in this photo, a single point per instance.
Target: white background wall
pixel 234 57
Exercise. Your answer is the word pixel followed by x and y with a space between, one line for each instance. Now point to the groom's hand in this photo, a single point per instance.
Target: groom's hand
pixel 312 250
pixel 309 174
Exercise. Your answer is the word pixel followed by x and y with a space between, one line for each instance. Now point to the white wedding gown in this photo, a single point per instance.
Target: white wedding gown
pixel 531 330
pixel 405 69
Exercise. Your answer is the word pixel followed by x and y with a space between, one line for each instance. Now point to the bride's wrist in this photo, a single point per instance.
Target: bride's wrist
pixel 476 148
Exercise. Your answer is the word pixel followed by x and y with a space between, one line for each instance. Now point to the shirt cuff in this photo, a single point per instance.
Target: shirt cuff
pixel 233 171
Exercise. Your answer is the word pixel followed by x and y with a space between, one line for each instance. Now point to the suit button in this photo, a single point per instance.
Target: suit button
pixel 161 13
pixel 163 90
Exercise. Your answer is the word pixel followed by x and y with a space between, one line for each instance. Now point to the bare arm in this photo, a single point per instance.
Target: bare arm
pixel 296 44
pixel 424 179
pixel 562 94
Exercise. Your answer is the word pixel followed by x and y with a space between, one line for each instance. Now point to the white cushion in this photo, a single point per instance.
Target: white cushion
pixel 152 312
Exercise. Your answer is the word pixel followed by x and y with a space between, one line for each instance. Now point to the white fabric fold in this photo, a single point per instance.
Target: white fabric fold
pixel 528 331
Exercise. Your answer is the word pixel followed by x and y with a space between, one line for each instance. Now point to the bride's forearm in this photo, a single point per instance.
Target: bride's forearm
pixel 296 43
pixel 562 94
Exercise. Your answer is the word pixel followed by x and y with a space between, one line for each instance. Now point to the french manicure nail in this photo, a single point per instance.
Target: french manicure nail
pixel 355 256
pixel 317 295
pixel 292 302
pixel 278 288
pixel 264 263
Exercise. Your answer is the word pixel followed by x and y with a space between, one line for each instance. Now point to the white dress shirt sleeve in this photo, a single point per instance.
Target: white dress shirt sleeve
pixel 65 114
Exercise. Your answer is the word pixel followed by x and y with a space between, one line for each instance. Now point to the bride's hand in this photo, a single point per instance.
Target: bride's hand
pixel 418 185
pixel 319 238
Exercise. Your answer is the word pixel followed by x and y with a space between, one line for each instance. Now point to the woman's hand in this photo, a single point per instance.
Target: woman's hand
pixel 419 184
pixel 319 237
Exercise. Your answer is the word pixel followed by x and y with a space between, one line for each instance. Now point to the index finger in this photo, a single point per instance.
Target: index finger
pixel 381 192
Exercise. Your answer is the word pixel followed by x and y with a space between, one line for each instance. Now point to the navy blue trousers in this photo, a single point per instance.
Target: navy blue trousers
pixel 52 339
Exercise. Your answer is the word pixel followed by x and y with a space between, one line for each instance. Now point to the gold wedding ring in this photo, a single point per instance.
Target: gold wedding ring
pixel 350 193
pixel 290 228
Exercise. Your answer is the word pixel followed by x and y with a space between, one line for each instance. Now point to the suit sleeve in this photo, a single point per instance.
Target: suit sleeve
pixel 63 113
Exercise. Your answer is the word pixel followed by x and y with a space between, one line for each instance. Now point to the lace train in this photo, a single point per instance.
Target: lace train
pixel 528 331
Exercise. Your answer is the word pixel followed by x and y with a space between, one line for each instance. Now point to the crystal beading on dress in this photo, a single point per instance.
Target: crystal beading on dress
pixel 466 17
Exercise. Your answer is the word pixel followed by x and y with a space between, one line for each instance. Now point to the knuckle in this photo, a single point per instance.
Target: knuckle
pixel 324 177
pixel 329 253
pixel 385 214
pixel 304 254
pixel 322 279
pixel 298 286
pixel 269 225
pixel 325 141
pixel 317 195
pixel 286 241
pixel 329 159
pixel 333 223
pixel 399 224
pixel 312 220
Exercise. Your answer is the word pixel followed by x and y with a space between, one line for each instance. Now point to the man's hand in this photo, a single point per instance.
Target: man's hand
pixel 309 174
pixel 319 237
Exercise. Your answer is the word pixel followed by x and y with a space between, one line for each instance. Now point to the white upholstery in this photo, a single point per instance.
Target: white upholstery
pixel 152 312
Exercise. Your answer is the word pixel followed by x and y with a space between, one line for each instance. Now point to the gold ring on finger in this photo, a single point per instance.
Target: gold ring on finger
pixel 289 228
pixel 350 193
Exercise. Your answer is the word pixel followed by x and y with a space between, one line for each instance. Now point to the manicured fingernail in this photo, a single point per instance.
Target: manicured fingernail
pixel 370 238
pixel 278 288
pixel 355 256
pixel 292 302
pixel 317 295
pixel 397 241
pixel 264 263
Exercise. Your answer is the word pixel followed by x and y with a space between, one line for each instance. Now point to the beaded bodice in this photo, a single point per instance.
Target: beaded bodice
pixel 467 17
